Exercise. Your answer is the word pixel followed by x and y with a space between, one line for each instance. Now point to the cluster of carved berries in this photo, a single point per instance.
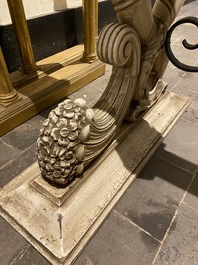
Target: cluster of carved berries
pixel 60 148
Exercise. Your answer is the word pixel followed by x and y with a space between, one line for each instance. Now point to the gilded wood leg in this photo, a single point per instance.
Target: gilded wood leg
pixel 22 34
pixel 7 93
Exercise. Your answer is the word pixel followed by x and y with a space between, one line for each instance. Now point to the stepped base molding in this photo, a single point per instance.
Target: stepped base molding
pixel 59 222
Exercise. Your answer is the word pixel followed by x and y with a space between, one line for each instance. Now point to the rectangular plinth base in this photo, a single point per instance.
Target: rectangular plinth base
pixel 59 224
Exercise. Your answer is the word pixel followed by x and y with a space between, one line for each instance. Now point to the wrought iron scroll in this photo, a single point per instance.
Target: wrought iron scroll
pixel 169 52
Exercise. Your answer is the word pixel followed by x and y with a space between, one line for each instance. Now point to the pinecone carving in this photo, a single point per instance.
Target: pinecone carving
pixel 60 148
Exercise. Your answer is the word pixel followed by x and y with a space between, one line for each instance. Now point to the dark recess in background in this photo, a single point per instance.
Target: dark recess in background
pixel 53 33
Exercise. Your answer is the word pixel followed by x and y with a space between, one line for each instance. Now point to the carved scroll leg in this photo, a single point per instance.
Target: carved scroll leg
pixel 154 61
pixel 165 12
pixel 74 135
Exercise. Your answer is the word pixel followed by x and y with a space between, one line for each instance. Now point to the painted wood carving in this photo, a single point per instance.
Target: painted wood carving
pixel 74 135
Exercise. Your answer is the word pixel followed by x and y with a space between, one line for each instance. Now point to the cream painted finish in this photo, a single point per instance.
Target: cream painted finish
pixel 68 218
pixel 73 135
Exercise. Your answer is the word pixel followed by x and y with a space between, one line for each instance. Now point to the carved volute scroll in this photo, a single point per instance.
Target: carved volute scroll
pixel 74 135
pixel 151 26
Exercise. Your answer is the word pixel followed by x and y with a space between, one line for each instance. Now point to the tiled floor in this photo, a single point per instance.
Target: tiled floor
pixel 156 221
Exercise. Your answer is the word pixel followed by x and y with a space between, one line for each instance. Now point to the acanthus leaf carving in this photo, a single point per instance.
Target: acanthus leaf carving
pixel 73 135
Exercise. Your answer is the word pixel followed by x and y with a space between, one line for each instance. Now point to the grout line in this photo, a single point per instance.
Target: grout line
pixel 8 145
pixel 173 219
pixel 16 157
pixel 9 162
pixel 127 247
pixel 190 206
pixel 185 169
pixel 190 90
pixel 88 261
pixel 176 84
pixel 189 185
pixel 186 119
pixel 165 236
pixel 134 224
pixel 20 255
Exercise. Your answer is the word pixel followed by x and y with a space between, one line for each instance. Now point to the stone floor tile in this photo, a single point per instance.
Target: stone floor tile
pixel 39 119
pixel 189 6
pixel 17 165
pixel 194 32
pixel 7 153
pixel 191 112
pixel 31 257
pixel 154 196
pixel 192 195
pixel 181 145
pixel 172 76
pixel 187 86
pixel 24 135
pixel 119 242
pixel 11 243
pixel 181 245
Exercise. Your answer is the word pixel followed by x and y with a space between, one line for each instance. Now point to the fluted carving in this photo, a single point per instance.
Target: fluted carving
pixel 153 58
pixel 73 135
pixel 69 141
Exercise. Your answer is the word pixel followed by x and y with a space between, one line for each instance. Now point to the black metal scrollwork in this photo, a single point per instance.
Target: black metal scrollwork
pixel 171 56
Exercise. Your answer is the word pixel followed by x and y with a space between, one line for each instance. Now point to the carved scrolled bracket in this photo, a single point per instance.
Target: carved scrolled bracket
pixel 134 47
pixel 74 135
pixel 119 45
pixel 153 58
pixel 150 86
